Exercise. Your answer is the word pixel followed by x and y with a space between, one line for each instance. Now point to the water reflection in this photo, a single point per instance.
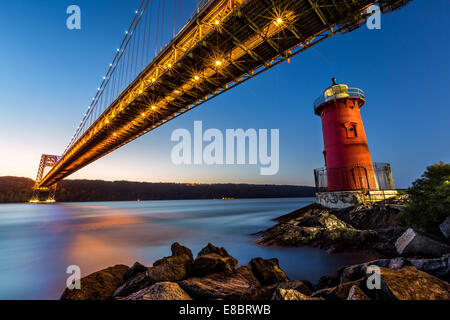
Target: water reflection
pixel 38 242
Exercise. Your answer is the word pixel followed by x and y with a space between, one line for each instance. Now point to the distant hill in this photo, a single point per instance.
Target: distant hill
pixel 15 189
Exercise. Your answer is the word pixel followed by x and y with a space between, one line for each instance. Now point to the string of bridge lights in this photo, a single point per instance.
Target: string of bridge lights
pixel 105 82
pixel 219 62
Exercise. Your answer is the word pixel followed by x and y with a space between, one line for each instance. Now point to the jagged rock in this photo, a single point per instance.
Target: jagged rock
pixel 221 285
pixel 210 248
pixel 282 294
pixel 266 292
pixel 212 259
pixel 439 267
pixel 414 243
pixel 136 283
pixel 178 250
pixel 134 270
pixel 161 291
pixel 173 268
pixel 99 285
pixel 409 283
pixel 317 226
pixel 445 227
pixel 356 293
pixel 267 271
pixel 339 292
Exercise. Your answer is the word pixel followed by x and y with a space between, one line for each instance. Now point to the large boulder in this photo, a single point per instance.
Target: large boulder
pixel 409 283
pixel 445 227
pixel 283 294
pixel 136 283
pixel 99 285
pixel 212 259
pixel 173 268
pixel 414 243
pixel 161 291
pixel 267 271
pixel 222 285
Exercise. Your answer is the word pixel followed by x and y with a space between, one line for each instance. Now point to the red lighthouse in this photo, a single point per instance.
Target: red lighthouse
pixel 347 158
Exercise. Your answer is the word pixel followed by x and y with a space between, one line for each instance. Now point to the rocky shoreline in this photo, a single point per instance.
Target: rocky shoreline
pixel 411 265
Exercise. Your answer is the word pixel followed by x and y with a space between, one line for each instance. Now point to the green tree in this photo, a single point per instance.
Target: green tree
pixel 429 200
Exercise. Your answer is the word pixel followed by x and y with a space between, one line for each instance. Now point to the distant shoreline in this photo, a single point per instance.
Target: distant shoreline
pixel 19 190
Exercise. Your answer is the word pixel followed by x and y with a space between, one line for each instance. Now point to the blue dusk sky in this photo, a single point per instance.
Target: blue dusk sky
pixel 49 74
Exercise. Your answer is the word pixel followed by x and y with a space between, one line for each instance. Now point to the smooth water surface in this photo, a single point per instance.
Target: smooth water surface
pixel 39 242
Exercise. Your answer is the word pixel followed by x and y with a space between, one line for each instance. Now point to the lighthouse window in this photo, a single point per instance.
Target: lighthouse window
pixel 350 129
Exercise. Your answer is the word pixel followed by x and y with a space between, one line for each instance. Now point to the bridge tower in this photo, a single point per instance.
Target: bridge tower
pixel 349 176
pixel 47 161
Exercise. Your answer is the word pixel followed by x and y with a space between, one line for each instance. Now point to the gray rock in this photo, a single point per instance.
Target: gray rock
pixel 439 267
pixel 414 243
pixel 161 291
pixel 267 271
pixel 134 270
pixel 136 283
pixel 445 227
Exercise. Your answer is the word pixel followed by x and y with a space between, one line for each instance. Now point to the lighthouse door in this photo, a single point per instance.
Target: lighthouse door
pixel 360 178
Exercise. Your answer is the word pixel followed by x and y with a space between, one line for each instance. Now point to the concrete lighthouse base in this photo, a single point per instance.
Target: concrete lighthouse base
pixel 344 199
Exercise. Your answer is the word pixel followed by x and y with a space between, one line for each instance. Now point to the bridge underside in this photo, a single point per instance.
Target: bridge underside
pixel 208 57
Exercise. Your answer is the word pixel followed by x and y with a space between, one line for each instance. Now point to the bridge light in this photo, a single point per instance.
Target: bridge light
pixel 217 22
pixel 278 21
pixel 115 134
pixel 218 63
pixel 153 107
pixel 153 79
pixel 196 78
pixel 169 65
pixel 143 114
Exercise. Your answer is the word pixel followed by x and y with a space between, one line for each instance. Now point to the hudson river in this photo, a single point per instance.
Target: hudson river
pixel 39 242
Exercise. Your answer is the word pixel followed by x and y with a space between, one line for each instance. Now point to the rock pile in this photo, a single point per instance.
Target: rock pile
pixel 214 274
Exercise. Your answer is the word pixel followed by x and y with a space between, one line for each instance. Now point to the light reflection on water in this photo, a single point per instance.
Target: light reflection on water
pixel 38 242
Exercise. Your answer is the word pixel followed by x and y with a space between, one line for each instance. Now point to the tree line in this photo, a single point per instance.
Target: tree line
pixel 15 189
